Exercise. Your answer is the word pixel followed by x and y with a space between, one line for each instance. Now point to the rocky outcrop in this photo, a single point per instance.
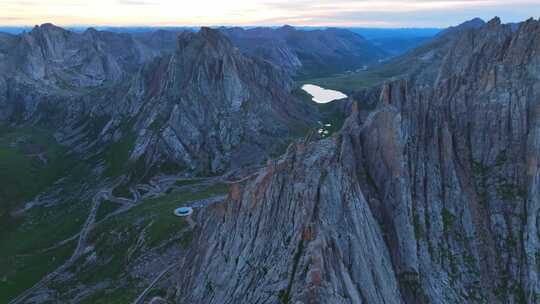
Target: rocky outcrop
pixel 432 198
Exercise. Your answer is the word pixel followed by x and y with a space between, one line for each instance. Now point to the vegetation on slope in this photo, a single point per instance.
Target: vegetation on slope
pixel 30 162
pixel 123 241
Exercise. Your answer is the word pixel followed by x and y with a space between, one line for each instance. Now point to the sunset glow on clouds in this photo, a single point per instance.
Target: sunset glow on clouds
pixel 384 13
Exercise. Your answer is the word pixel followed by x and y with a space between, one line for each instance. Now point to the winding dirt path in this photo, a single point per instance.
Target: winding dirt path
pixel 81 243
pixel 141 297
pixel 157 188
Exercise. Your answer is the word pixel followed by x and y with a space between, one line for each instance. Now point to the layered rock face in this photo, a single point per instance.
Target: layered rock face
pixel 53 70
pixel 431 198
pixel 208 106
pixel 307 52
pixel 64 58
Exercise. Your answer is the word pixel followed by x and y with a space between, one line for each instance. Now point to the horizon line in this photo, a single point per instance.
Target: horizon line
pixel 219 25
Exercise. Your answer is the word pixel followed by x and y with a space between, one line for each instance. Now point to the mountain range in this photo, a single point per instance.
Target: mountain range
pixel 307 53
pixel 428 193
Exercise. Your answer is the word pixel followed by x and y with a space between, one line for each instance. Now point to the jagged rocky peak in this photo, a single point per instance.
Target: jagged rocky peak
pixel 215 106
pixel 207 59
pixel 207 50
pixel 205 40
pixel 49 39
pixel 287 28
pixel 91 30
pixel 56 56
pixel 470 24
pixel 47 28
pixel 494 42
pixel 473 23
pixel 49 34
pixel 494 21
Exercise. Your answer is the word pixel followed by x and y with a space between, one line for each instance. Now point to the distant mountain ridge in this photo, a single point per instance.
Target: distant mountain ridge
pixel 307 52
pixel 423 63
pixel 397 41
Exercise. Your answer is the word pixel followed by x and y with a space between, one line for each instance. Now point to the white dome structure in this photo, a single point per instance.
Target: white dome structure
pixel 183 211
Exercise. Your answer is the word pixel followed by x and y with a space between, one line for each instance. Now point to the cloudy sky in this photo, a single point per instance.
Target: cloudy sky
pixel 372 13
